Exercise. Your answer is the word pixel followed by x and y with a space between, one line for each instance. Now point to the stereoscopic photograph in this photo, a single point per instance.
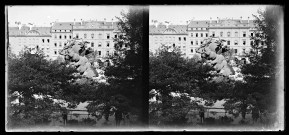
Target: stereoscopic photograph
pixel 216 68
pixel 102 68
pixel 74 68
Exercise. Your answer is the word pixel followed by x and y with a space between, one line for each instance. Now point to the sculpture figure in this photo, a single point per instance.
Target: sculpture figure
pixel 212 51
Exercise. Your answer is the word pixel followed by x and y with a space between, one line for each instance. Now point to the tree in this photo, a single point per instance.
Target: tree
pixel 265 68
pixel 171 73
pixel 124 76
pixel 35 82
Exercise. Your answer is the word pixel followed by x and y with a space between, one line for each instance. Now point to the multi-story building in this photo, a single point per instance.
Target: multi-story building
pixel 51 40
pixel 31 37
pixel 99 34
pixel 237 34
pixel 168 35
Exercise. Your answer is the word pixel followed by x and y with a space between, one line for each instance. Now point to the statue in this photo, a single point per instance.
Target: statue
pixel 80 57
pixel 212 50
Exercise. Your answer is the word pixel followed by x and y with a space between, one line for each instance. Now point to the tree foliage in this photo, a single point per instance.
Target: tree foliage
pixel 259 88
pixel 35 82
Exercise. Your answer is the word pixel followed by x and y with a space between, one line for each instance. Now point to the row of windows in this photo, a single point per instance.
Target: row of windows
pixel 229 34
pixel 61 30
pixel 92 36
pixel 64 37
pixel 197 28
pixel 92 44
pixel 201 34
pixel 171 38
pixel 228 42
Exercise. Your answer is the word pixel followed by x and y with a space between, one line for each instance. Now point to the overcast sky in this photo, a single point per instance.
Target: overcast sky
pixel 182 13
pixel 44 15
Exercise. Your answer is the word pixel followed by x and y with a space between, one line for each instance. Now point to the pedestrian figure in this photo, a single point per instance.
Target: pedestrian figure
pixel 118 116
pixel 202 115
pixel 255 114
pixel 64 117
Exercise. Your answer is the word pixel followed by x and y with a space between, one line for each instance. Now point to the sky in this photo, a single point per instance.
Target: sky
pixel 181 13
pixel 44 15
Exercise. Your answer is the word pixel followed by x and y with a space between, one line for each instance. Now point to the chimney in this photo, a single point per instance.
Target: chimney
pixel 104 20
pixel 210 19
pixel 81 22
pixel 217 19
pixel 248 19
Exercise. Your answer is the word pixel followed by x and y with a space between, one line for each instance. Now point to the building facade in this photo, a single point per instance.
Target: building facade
pixel 31 37
pixel 51 40
pixel 237 34
pixel 168 35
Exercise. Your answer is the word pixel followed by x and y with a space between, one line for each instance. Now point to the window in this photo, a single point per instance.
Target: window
pixel 221 34
pixel 92 35
pixel 107 44
pixel 236 50
pixel 107 36
pixel 99 44
pixel 196 34
pixel 192 43
pixel 180 38
pixel 184 38
pixel 244 50
pixel 229 34
pixel 85 36
pixel 201 42
pixel 115 36
pixel 99 52
pixel 59 44
pixel 262 42
pixel 48 40
pixel 196 42
pixel 64 36
pixel 192 34
pixel 244 42
pixel 244 34
pixel 252 34
pixel 213 33
pixel 236 34
pixel 100 36
pixel 201 34
pixel 192 50
pixel 92 44
pixel 59 36
pixel 174 45
pixel 43 40
pixel 228 42
pixel 55 52
pixel 77 36
pixel 107 53
pixel 251 43
pixel 206 34
pixel 69 36
pixel 55 44
pixel 55 36
pixel 236 42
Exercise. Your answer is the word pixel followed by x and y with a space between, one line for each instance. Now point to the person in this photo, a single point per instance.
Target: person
pixel 118 116
pixel 64 117
pixel 255 114
pixel 202 115
pixel 126 118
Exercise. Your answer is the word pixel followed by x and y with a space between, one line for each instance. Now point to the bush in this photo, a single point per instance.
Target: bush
pixel 88 121
pixel 210 120
pixel 72 122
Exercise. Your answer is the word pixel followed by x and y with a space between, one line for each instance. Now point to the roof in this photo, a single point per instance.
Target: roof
pixel 179 29
pixel 199 24
pixel 97 25
pixel 64 25
pixel 15 31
